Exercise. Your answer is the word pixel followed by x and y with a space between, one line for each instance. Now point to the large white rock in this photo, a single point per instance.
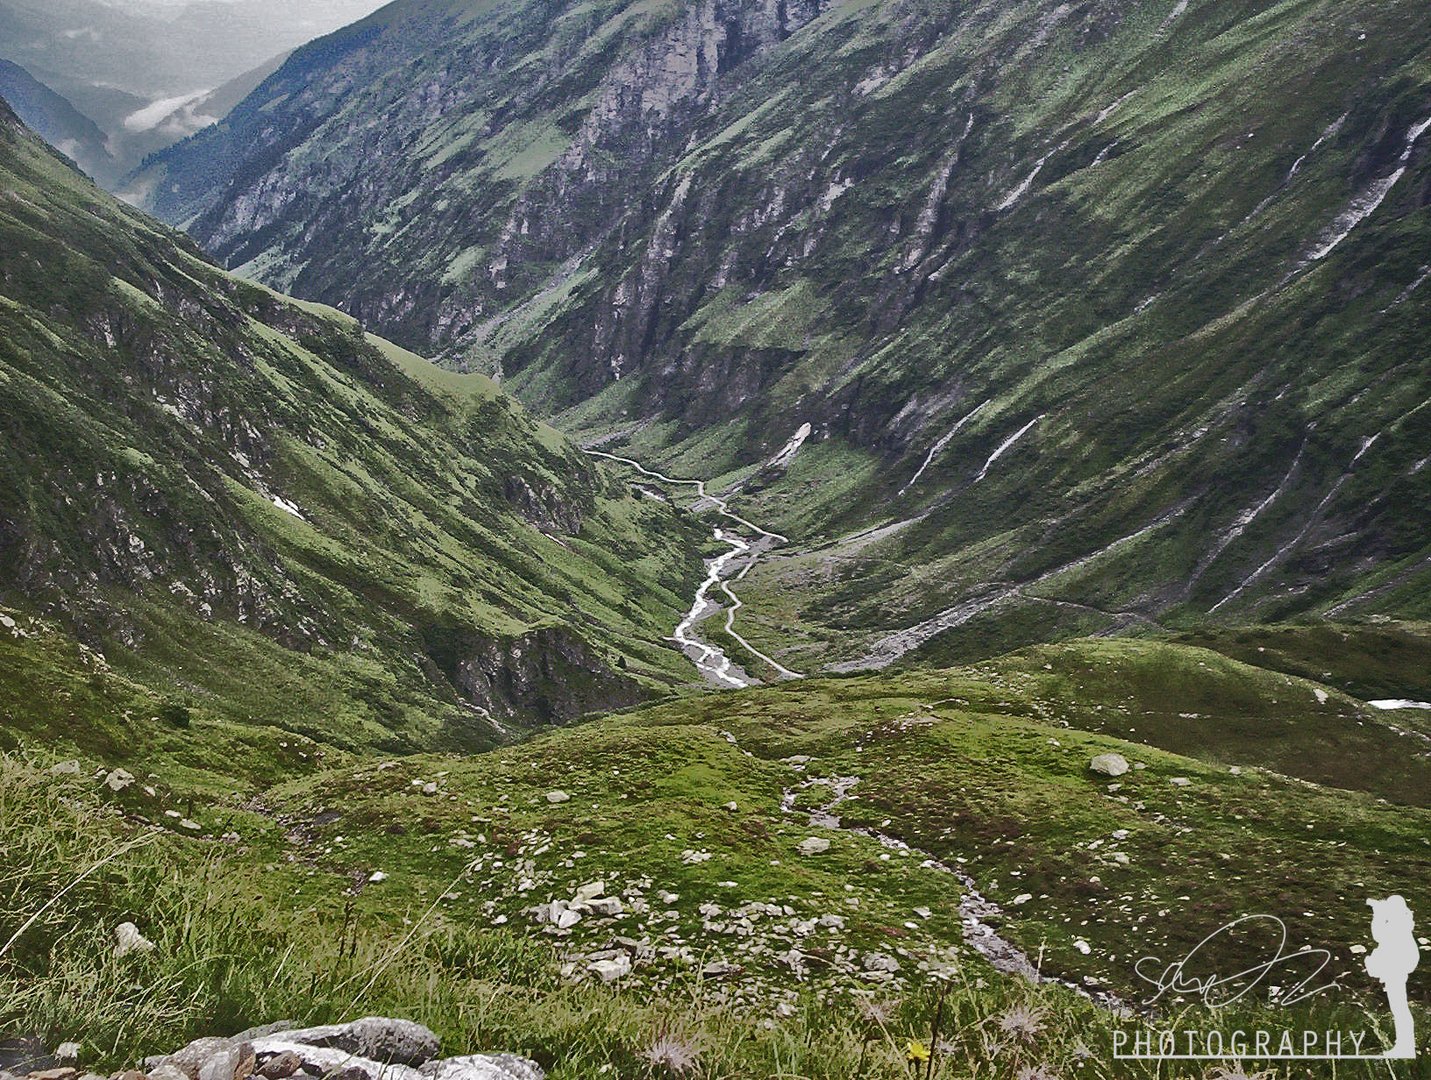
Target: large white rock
pixel 1109 764
pixel 813 845
pixel 377 1037
pixel 484 1067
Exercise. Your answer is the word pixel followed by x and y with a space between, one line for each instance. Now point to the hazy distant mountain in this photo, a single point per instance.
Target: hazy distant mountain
pixel 56 121
pixel 141 69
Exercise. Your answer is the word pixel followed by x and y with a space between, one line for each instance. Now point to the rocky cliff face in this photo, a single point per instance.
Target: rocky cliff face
pixel 1108 313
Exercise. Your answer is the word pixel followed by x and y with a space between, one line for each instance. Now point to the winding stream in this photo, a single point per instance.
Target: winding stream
pixel 710 660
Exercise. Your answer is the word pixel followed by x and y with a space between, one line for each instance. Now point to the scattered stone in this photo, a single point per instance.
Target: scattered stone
pixel 118 780
pixel 65 768
pixel 128 939
pixel 377 876
pixel 67 1052
pixel 880 962
pixel 1180 781
pixel 813 845
pixel 591 890
pixel 557 796
pixel 611 970
pixel 1109 764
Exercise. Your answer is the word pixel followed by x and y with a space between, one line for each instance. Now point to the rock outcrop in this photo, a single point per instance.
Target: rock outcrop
pixel 371 1048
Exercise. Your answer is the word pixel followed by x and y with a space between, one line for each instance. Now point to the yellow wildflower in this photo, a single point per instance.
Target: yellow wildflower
pixel 917 1051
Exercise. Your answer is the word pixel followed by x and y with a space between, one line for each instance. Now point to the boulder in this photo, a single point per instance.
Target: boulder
pixel 813 845
pixel 23 1054
pixel 210 1058
pixel 557 796
pixel 1109 764
pixel 330 1062
pixel 280 1066
pixel 484 1067
pixel 378 1038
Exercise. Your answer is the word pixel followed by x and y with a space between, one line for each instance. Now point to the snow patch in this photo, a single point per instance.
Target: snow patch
pixel 1399 703
pixel 1365 204
pixel 1173 16
pixel 292 508
pixel 1003 446
pixel 1018 193
pixel 939 446
pixel 787 453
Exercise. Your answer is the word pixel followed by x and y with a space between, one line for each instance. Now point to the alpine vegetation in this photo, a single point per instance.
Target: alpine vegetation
pixel 715 539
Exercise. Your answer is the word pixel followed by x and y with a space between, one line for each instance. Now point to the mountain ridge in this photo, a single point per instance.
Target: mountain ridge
pixel 1034 273
pixel 196 464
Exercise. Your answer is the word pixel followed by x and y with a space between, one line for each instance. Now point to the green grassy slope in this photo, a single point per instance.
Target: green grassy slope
pixel 247 502
pixel 410 885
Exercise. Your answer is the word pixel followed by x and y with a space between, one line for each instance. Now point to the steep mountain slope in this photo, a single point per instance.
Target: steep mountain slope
pixel 249 504
pixel 56 121
pixel 1102 314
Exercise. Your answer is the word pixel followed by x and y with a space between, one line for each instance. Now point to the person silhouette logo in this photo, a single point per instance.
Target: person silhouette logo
pixel 1391 963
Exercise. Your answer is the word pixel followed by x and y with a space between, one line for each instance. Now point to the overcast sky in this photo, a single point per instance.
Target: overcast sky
pixel 324 15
